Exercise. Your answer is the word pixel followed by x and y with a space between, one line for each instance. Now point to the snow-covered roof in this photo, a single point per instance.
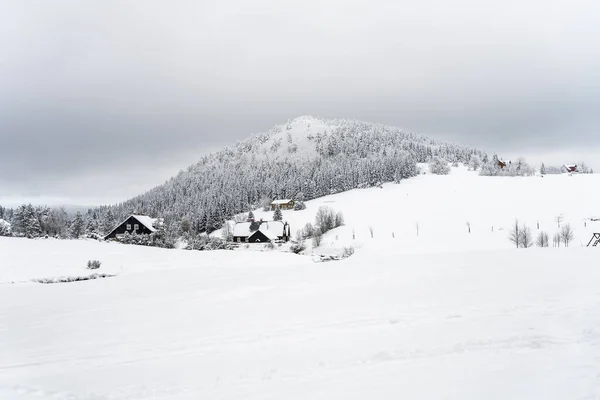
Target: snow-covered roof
pixel 269 234
pixel 570 166
pixel 283 201
pixel 275 228
pixel 242 229
pixel 146 221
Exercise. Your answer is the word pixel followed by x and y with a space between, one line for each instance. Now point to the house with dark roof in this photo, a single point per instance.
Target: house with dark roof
pixel 135 223
pixel 570 168
pixel 261 231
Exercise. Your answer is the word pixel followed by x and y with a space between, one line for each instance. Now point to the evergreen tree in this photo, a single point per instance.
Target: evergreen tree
pixel 77 226
pixel 277 214
pixel 250 215
pixel 543 169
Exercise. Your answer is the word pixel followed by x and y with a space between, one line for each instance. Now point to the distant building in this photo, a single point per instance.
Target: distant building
pixel 261 231
pixel 503 163
pixel 570 168
pixel 139 224
pixel 285 204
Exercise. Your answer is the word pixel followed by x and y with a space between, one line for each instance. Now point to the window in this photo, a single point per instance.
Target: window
pixel 136 227
pixel 128 227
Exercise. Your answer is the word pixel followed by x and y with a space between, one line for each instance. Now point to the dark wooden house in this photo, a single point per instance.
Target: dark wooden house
pixel 261 231
pixel 139 224
pixel 285 204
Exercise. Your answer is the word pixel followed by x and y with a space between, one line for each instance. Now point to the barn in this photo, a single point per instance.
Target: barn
pixel 570 168
pixel 135 223
pixel 261 231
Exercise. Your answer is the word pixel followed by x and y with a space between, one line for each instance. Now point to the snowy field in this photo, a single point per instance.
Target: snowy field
pixel 442 315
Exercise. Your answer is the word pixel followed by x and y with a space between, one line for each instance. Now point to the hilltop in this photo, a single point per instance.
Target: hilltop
pixel 306 158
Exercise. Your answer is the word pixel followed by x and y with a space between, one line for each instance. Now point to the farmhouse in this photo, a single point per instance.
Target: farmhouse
pixel 139 224
pixel 261 231
pixel 285 204
pixel 570 168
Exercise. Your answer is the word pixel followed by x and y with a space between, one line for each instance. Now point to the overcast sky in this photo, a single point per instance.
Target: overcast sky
pixel 101 100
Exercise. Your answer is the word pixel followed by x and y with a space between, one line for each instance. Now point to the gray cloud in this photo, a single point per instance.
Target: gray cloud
pixel 103 99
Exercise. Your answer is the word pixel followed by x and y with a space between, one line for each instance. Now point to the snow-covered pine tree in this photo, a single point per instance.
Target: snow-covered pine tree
pixel 77 226
pixel 277 214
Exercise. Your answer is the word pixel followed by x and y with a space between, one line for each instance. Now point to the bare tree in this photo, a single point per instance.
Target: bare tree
pixel 371 231
pixel 566 234
pixel 515 234
pixel 317 238
pixel 469 226
pixel 559 219
pixel 556 239
pixel 542 239
pixel 526 237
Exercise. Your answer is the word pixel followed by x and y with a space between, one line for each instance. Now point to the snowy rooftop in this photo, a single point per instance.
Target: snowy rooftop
pixel 274 227
pixel 282 201
pixel 146 221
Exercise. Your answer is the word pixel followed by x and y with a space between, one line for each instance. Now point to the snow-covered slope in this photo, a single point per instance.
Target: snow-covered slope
pixel 445 315
pixel 440 207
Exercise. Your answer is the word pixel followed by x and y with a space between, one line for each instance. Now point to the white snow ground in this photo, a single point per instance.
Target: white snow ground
pixel 407 317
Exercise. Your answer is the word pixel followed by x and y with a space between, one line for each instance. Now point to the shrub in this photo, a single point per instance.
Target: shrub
pixel 298 248
pixel 93 264
pixel 348 251
pixel 299 205
pixel 205 242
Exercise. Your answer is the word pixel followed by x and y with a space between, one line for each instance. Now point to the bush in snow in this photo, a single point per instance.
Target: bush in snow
pixel 439 166
pixel 348 251
pixel 205 242
pixel 299 205
pixel 93 264
pixel 298 247
pixel 156 239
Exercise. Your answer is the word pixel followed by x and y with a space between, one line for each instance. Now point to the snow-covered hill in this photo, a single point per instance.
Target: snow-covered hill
pixel 306 158
pixel 446 314
pixel 441 208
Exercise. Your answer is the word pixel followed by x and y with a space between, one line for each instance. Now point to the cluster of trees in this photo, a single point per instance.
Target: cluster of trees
pixel 520 167
pixel 554 170
pixel 326 219
pixel 31 221
pixel 521 236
